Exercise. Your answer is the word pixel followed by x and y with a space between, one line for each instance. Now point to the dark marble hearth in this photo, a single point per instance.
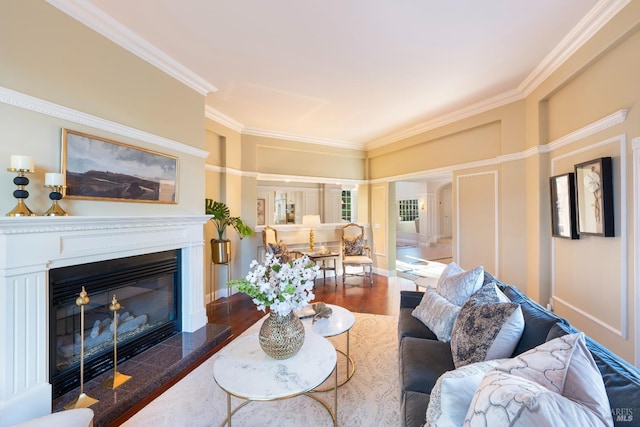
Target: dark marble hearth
pixel 150 372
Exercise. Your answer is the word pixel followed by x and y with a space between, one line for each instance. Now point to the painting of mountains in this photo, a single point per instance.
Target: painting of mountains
pixel 98 168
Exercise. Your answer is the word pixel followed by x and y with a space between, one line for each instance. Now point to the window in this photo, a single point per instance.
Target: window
pixel 347 206
pixel 408 209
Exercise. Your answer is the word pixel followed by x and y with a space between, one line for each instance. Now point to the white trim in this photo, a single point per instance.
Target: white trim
pixel 303 138
pixel 102 23
pixel 27 102
pixel 218 117
pixel 286 178
pixel 592 128
pixel 635 145
pixel 624 279
pixel 464 113
pixel 588 26
pixel 496 216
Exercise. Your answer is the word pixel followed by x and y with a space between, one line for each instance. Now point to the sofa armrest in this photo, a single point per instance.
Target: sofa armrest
pixel 410 299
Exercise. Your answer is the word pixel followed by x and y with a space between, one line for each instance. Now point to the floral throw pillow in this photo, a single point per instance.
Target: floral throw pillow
pixel 353 246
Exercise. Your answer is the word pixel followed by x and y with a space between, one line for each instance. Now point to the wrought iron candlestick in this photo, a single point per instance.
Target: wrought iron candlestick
pixel 21 181
pixel 83 400
pixel 117 379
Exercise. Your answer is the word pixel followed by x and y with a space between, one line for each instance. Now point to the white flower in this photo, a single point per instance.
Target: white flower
pixel 282 287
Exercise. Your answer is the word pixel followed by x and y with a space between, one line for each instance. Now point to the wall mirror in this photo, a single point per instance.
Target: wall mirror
pixel 285 203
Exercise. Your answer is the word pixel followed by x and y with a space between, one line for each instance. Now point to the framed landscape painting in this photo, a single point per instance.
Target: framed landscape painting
pixel 594 197
pixel 563 207
pixel 101 169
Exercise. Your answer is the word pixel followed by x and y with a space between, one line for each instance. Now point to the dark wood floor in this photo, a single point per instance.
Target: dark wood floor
pixel 356 296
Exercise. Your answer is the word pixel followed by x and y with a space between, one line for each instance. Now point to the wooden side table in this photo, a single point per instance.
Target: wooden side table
pixel 325 258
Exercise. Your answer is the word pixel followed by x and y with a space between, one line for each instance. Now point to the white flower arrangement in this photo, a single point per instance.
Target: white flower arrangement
pixel 283 287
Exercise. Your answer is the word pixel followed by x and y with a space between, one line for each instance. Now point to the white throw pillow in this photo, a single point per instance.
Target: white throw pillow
pixel 437 314
pixel 503 399
pixel 452 394
pixel 564 365
pixel 457 285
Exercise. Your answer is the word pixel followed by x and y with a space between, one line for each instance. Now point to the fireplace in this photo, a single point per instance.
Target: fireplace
pixel 33 248
pixel 147 288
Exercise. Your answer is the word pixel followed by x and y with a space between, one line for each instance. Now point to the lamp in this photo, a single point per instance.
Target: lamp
pixel 311 222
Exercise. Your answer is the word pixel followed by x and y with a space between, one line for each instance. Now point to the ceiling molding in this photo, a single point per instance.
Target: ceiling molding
pixel 470 111
pixel 588 26
pixel 303 138
pixel 215 115
pixel 97 20
pixel 27 102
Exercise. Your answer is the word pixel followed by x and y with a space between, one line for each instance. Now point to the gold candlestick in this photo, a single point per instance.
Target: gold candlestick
pixel 117 379
pixel 55 195
pixel 21 209
pixel 82 401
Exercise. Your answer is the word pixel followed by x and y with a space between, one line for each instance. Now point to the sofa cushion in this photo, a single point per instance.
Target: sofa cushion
pixel 422 363
pixel 409 326
pixel 412 408
pixel 453 392
pixel 621 379
pixel 475 333
pixel 457 285
pixel 537 319
pixel 555 382
pixel 437 314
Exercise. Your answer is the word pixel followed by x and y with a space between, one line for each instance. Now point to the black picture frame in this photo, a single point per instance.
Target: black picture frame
pixel 594 197
pixel 563 206
pixel 101 169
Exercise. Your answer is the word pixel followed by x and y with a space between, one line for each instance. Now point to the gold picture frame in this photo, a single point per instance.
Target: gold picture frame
pixel 97 168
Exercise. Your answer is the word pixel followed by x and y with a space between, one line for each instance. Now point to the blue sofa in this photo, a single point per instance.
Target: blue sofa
pixel 423 358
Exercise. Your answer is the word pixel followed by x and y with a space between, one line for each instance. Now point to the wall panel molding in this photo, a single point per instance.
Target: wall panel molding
pixel 624 255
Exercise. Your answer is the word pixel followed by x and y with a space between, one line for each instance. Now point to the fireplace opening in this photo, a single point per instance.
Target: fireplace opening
pixel 148 290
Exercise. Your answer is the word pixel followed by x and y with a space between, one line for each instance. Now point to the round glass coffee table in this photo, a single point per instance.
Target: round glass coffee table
pixel 340 321
pixel 243 370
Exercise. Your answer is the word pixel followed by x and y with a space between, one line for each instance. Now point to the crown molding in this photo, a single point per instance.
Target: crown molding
pixel 97 20
pixel 592 128
pixel 27 102
pixel 218 117
pixel 588 26
pixel 303 138
pixel 470 111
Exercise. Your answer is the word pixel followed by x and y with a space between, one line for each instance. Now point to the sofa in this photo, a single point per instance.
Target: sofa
pixel 423 358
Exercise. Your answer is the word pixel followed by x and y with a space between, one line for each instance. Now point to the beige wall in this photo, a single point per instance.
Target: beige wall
pixel 50 56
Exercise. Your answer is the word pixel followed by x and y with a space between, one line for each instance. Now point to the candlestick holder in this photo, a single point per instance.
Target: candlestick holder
pixel 117 379
pixel 55 195
pixel 21 194
pixel 83 400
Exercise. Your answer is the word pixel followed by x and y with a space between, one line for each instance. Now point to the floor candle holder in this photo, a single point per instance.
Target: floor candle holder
pixel 117 379
pixel 55 195
pixel 83 400
pixel 21 194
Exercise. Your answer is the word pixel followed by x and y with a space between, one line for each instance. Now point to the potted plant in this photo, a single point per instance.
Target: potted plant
pixel 221 217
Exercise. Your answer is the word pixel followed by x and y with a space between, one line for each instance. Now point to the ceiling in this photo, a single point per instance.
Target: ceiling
pixel 353 73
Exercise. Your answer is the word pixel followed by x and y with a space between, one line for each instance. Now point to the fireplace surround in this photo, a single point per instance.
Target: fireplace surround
pixel 32 246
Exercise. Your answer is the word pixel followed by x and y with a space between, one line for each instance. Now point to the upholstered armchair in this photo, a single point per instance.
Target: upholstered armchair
pixel 355 253
pixel 277 247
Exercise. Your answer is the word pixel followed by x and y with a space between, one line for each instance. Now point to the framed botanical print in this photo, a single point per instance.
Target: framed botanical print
pixel 563 206
pixel 260 212
pixel 594 197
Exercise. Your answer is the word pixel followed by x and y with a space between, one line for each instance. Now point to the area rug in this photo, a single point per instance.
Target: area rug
pixel 421 268
pixel 370 398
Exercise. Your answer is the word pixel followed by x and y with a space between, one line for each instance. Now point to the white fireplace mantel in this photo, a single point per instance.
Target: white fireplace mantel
pixel 31 246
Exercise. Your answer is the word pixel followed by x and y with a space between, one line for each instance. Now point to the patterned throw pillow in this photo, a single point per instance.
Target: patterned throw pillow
pixel 476 333
pixel 437 314
pixel 457 285
pixel 353 246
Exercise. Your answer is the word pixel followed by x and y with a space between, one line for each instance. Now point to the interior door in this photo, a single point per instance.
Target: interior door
pixel 444 210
